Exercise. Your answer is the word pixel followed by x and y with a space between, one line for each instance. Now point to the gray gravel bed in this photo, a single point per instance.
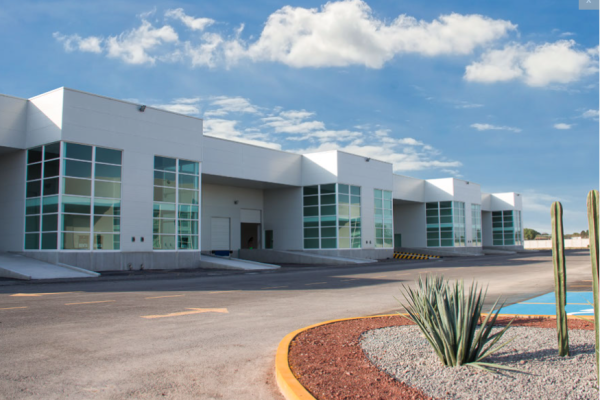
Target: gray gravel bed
pixel 403 352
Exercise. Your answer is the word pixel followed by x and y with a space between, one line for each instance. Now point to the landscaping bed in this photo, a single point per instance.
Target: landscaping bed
pixel 329 361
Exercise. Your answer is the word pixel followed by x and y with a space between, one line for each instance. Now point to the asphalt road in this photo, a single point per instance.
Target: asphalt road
pixel 212 335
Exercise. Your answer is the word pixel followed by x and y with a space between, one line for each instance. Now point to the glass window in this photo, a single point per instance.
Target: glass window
pixel 76 205
pixel 32 224
pixel 187 242
pixel 107 189
pixel 34 189
pixel 164 226
pixel 311 200
pixel 34 171
pixel 108 156
pixel 164 242
pixel 107 207
pixel 34 155
pixel 50 205
pixel 77 169
pixel 165 164
pixel 328 199
pixel 32 206
pixel 75 241
pixel 50 186
pixel 52 151
pixel 108 172
pixel 51 168
pixel 106 241
pixel 310 190
pixel 107 224
pixel 188 196
pixel 311 243
pixel 355 190
pixel 162 178
pixel 32 240
pixel 50 222
pixel 167 195
pixel 79 187
pixel 49 240
pixel 164 210
pixel 73 222
pixel 188 167
pixel 188 227
pixel 328 189
pixel 78 151
pixel 343 189
pixel 328 243
pixel 188 212
pixel 188 181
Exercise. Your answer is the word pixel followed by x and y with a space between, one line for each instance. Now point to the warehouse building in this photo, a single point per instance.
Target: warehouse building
pixel 104 184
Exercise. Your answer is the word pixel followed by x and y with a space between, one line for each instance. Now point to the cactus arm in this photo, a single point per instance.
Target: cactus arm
pixel 560 278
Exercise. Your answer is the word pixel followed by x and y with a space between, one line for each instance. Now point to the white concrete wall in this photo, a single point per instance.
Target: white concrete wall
pixel 283 215
pixel 439 190
pixel 12 200
pixel 407 188
pixel 13 122
pixel 45 118
pixel 486 202
pixel 100 121
pixel 487 238
pixel 410 221
pixel 575 243
pixel 319 168
pixel 218 201
pixel 245 161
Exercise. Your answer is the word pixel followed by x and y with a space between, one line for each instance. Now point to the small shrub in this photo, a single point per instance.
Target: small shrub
pixel 448 317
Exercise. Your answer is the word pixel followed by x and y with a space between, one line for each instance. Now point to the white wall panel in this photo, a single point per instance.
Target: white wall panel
pixel 410 221
pixel 13 121
pixel 283 215
pixel 407 188
pixel 45 118
pixel 439 190
pixel 12 200
pixel 319 168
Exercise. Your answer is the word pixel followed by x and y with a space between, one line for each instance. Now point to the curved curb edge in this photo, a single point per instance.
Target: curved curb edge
pixel 292 389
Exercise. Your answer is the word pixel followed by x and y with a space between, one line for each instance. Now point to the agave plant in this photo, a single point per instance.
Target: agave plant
pixel 449 318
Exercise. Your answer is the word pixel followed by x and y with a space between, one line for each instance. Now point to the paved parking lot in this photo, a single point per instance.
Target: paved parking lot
pixel 210 334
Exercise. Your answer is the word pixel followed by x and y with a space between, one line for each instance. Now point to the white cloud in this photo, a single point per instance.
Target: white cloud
pixel 487 127
pixel 565 34
pixel 227 129
pixel 562 126
pixel 340 33
pixel 195 24
pixel 132 46
pixel 541 65
pixel 187 109
pixel 591 114
pixel 223 105
pixel 347 33
pixel 91 44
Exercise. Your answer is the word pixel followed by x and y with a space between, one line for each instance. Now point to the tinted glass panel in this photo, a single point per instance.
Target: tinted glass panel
pixel 328 189
pixel 32 241
pixel 72 222
pixel 311 233
pixel 49 241
pixel 107 241
pixel 343 189
pixel 32 206
pixel 188 182
pixel 34 189
pixel 162 178
pixel 165 164
pixel 310 190
pixel 163 242
pixel 188 167
pixel 77 169
pixel 78 187
pixel 107 224
pixel 311 200
pixel 188 242
pixel 166 195
pixel 50 222
pixel 52 151
pixel 108 172
pixel 164 210
pixel 50 186
pixel 188 196
pixel 76 205
pixel 107 189
pixel 164 226
pixel 34 155
pixel 355 190
pixel 108 156
pixel 34 171
pixel 188 212
pixel 78 151
pixel 107 207
pixel 188 227
pixel 328 243
pixel 311 243
pixel 32 224
pixel 75 241
pixel 50 205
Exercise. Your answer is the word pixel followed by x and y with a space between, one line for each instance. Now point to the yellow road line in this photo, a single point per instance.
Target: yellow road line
pixel 91 302
pixel 315 283
pixel 194 311
pixel 273 287
pixel 11 308
pixel 223 291
pixel 36 294
pixel 162 297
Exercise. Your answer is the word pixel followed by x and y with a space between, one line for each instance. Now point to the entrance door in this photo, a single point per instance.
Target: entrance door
pixel 219 234
pixel 269 239
pixel 250 235
pixel 397 240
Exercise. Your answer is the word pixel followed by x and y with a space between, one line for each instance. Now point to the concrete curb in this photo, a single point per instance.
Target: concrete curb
pixel 292 389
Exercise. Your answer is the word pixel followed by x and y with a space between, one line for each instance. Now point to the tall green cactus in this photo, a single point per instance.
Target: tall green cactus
pixel 560 277
pixel 594 222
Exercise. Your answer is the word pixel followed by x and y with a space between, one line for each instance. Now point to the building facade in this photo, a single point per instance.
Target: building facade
pixel 105 184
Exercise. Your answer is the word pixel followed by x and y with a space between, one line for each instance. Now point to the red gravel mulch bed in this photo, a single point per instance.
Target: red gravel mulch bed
pixel 329 362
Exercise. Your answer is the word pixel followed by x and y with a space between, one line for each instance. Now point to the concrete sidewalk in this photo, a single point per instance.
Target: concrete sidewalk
pixel 16 266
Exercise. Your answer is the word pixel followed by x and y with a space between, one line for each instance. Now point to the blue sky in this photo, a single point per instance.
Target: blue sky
pixel 504 94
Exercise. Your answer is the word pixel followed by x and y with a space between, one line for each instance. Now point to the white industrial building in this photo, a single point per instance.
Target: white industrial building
pixel 105 184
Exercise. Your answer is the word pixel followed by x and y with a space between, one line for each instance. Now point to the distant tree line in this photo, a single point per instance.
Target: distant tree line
pixel 531 234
